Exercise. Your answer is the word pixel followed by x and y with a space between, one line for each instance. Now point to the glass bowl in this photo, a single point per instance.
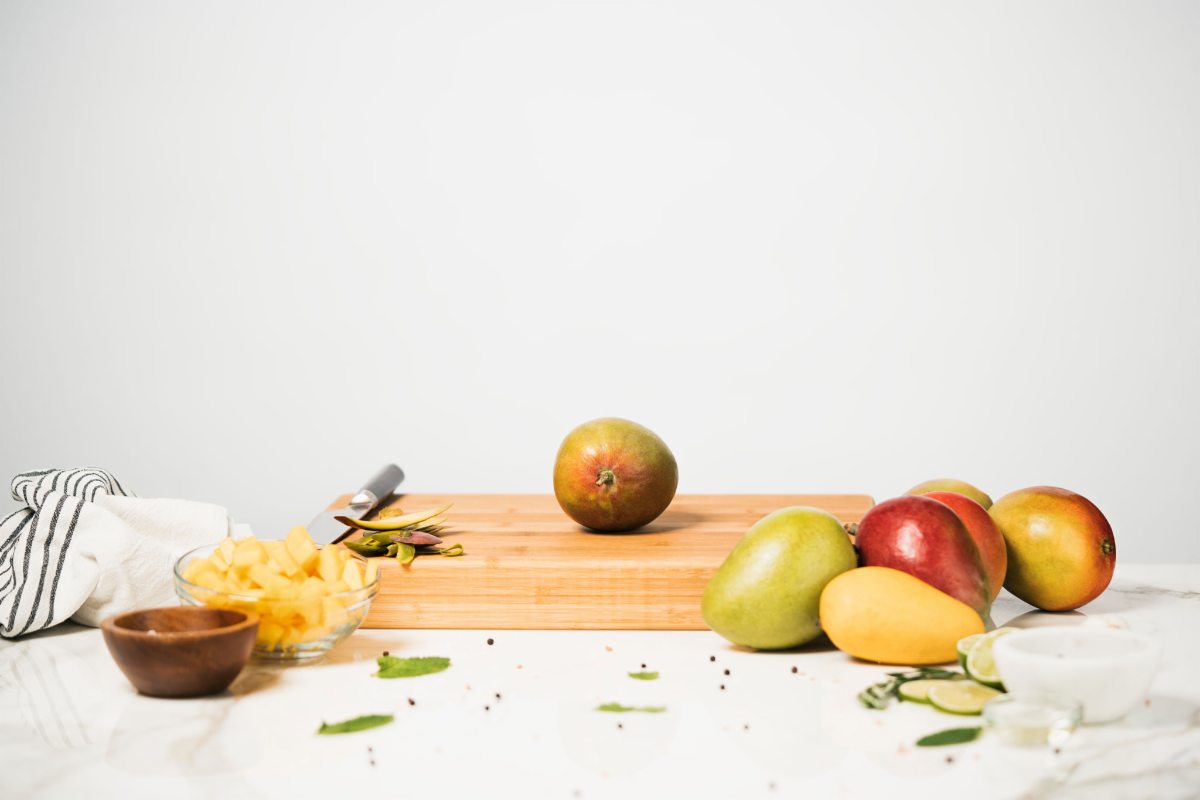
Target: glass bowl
pixel 1033 718
pixel 289 628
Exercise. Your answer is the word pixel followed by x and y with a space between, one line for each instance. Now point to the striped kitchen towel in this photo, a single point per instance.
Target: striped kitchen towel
pixel 85 547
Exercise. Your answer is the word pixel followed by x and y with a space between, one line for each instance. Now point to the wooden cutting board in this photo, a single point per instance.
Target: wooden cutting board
pixel 529 566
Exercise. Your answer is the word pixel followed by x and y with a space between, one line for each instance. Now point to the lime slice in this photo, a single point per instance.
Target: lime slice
pixel 964 647
pixel 918 691
pixel 960 697
pixel 979 664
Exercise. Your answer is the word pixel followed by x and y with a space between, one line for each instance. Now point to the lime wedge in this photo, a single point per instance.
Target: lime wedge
pixel 964 647
pixel 918 691
pixel 979 664
pixel 960 697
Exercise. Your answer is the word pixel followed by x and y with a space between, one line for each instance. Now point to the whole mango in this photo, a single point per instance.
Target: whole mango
pixel 882 614
pixel 983 530
pixel 1061 549
pixel 929 541
pixel 765 594
pixel 952 485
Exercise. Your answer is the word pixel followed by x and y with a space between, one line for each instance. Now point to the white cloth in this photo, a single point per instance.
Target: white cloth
pixel 84 548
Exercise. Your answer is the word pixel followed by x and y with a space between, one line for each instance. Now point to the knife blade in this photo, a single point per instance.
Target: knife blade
pixel 324 529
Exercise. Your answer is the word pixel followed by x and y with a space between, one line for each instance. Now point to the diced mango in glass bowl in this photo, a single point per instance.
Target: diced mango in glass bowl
pixel 307 598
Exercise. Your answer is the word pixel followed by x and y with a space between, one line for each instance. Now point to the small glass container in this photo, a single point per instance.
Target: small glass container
pixel 1032 718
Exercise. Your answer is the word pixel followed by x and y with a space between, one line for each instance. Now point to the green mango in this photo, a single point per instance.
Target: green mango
pixel 767 592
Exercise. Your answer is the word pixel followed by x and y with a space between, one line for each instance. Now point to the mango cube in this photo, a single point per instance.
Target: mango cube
pixel 248 553
pixel 300 546
pixel 351 576
pixel 329 564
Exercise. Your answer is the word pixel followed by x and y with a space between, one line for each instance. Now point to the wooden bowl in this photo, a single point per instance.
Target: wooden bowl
pixel 185 651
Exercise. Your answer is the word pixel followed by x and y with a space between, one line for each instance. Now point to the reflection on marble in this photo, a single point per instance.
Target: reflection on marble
pixel 517 718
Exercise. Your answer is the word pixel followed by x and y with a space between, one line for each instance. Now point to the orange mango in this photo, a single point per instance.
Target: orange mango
pixel 1061 549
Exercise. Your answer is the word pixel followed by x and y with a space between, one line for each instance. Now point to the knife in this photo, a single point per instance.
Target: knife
pixel 324 529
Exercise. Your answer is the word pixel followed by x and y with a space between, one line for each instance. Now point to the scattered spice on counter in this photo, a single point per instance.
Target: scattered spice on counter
pixel 412 702
pixel 386 653
pixel 949 759
pixel 722 687
pixel 491 641
pixel 726 672
pixel 643 666
pixel 487 708
pixel 609 649
pixel 619 725
pixel 793 670
pixel 497 695
pixel 712 658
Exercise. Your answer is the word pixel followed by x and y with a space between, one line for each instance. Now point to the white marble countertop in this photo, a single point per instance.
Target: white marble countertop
pixel 517 719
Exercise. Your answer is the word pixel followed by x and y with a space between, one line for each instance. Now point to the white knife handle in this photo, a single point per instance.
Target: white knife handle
pixel 379 487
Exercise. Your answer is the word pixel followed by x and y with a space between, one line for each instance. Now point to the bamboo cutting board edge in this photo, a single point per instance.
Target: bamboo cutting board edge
pixel 529 567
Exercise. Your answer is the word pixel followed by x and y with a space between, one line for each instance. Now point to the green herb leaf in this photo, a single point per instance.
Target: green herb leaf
pixel 952 736
pixel 356 724
pixel 406 553
pixel 392 667
pixel 620 709
pixel 878 695
pixel 644 676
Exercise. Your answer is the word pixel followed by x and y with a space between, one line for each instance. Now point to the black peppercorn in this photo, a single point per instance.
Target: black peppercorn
pixel 385 652
pixel 497 695
pixel 491 641
pixel 712 658
pixel 793 670
pixel 643 666
pixel 412 702
pixel 726 672
pixel 722 687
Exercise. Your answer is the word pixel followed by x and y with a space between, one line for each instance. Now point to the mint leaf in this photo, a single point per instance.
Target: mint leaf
pixel 620 709
pixel 644 676
pixel 952 736
pixel 356 724
pixel 392 667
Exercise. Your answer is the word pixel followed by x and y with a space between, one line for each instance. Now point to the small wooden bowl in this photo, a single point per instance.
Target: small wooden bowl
pixel 185 651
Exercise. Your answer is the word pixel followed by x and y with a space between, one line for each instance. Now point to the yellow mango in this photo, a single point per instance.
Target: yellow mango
pixel 351 576
pixel 219 562
pixel 885 615
pixel 337 587
pixel 225 548
pixel 329 564
pixel 300 545
pixel 371 574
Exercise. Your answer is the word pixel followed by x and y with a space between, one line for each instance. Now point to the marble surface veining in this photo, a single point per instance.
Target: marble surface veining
pixel 517 719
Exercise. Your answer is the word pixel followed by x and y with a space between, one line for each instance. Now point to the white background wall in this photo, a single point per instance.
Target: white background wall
pixel 251 252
